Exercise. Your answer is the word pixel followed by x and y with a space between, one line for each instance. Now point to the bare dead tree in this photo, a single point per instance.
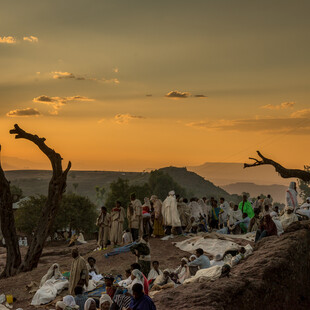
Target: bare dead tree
pixel 284 172
pixel 57 187
pixel 13 257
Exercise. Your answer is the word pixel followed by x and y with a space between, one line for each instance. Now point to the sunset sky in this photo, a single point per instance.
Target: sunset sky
pixel 131 85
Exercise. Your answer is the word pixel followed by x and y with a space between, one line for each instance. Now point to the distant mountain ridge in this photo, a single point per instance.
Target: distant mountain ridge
pixel 35 182
pixel 228 173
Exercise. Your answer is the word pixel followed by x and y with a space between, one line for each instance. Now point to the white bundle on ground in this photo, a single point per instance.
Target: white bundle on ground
pixel 203 275
pixel 209 245
pixel 48 291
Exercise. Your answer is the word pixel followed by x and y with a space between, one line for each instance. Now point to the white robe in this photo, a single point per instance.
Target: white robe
pixel 170 212
pixel 196 210
pixel 291 196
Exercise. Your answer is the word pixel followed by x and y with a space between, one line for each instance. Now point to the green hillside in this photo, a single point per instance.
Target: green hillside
pixel 35 182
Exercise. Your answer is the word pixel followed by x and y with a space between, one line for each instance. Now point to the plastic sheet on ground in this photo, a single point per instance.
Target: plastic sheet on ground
pixel 211 245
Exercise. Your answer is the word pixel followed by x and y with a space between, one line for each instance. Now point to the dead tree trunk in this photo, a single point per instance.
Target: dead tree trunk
pixel 285 173
pixel 57 186
pixel 13 257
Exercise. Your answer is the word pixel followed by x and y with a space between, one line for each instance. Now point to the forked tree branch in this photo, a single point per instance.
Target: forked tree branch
pixel 284 173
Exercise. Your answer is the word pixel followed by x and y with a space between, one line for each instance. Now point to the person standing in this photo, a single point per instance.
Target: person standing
pixel 246 207
pixel 170 213
pixel 158 230
pixel 103 222
pixel 291 196
pixel 78 272
pixel 117 224
pixel 134 214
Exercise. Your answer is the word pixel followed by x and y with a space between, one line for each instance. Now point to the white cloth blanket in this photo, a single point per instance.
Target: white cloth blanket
pixel 203 275
pixel 209 245
pixel 48 291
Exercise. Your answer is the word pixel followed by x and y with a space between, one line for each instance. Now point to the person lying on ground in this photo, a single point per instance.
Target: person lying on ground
pixel 155 271
pixel 140 301
pixel 163 282
pixel 202 261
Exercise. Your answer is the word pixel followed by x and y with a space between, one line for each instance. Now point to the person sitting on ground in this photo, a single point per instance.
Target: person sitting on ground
pixel 246 207
pixel 276 209
pixel 238 257
pixel 105 302
pixel 136 277
pixel 90 304
pixel 91 265
pixel 192 269
pixel 78 273
pixel 127 237
pixel 277 221
pixel 255 221
pixel 288 217
pixel 267 228
pixel 145 281
pixel 142 251
pixel 306 205
pixel 225 271
pixel 182 272
pixel 70 303
pixel 202 261
pixel 110 287
pixel 79 298
pixel 121 301
pixel 52 272
pixel 244 224
pixel 140 301
pixel 155 271
pixel 163 282
pixel 128 280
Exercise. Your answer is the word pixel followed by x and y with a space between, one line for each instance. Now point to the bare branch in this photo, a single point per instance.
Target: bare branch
pixel 284 172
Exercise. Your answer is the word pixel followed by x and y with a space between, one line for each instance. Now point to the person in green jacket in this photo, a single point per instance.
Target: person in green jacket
pixel 246 207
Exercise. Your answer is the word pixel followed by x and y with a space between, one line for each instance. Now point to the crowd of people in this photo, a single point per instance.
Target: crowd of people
pixel 154 218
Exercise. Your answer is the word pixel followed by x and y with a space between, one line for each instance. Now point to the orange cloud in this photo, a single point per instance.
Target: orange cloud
pixel 177 94
pixel 123 118
pixel 282 106
pixel 8 40
pixel 31 39
pixel 23 112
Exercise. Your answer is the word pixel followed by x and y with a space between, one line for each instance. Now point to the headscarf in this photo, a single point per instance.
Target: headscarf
pixel 138 274
pixel 88 303
pixel 60 304
pixel 192 256
pixel 104 298
pixel 172 193
pixel 69 301
pixel 51 273
pixel 153 197
pixel 184 259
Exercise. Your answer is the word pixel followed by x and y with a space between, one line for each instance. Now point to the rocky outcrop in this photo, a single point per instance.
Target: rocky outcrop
pixel 276 276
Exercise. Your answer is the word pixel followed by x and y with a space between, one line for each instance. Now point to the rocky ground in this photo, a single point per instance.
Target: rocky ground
pixel 275 276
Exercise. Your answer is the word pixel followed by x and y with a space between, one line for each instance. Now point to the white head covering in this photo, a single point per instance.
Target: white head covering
pixel 193 256
pixel 184 259
pixel 69 301
pixel 53 271
pixel 308 199
pixel 292 185
pixel 104 298
pixel 88 303
pixel 288 208
pixel 153 197
pixel 171 193
pixel 138 274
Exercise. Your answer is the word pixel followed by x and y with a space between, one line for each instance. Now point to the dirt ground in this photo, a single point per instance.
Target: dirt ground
pixel 164 251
